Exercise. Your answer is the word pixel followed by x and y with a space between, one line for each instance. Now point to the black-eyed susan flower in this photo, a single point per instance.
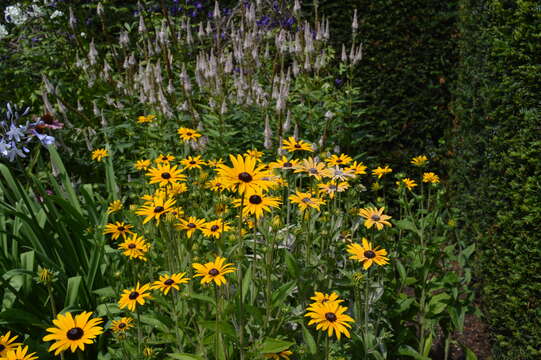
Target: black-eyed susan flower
pixel 306 200
pixel 367 255
pixel 7 343
pixel 255 154
pixel 291 144
pixel 135 247
pixel 99 154
pixel 114 206
pixel 257 203
pixel 380 171
pixel 145 119
pixel 165 174
pixel 187 134
pixel 122 325
pixel 342 160
pixel 214 163
pixel 430 177
pixel 72 333
pixel 155 208
pixel 358 168
pixel 168 282
pixel 284 163
pixel 46 277
pixel 142 164
pixel 130 298
pixel 216 185
pixel 419 161
pixel 338 173
pixel 313 168
pixel 330 317
pixel 278 356
pixel 215 228
pixel 20 353
pixel 214 271
pixel 244 175
pixel 118 229
pixel 407 182
pixel 374 216
pixel 194 162
pixel 164 159
pixel 333 187
pixel 190 225
pixel 322 298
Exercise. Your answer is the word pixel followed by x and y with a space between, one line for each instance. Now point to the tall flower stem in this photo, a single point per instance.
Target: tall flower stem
pixel 241 300
pixel 139 334
pixel 326 348
pixel 53 307
pixel 366 305
pixel 218 313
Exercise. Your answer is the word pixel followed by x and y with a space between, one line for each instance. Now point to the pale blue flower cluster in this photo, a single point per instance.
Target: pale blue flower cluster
pixel 15 137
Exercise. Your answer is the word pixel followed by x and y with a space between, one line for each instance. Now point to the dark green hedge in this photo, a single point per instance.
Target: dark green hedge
pixel 497 164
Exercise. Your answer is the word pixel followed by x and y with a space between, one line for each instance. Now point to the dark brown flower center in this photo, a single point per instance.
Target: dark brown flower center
pixel 331 317
pixel 165 158
pixel 297 146
pixel 132 246
pixel 75 333
pixel 121 325
pixel 369 254
pixel 193 162
pixel 375 217
pixel 307 200
pixel 188 134
pixel 213 272
pixel 121 228
pixel 159 209
pixel 133 295
pixel 313 171
pixel 166 175
pixel 333 187
pixel 169 282
pixel 288 164
pixel 191 225
pixel 214 228
pixel 245 177
pixel 339 160
pixel 2 347
pixel 255 199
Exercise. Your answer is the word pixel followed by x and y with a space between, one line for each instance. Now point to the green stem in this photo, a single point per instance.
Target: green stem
pixel 241 300
pixel 366 304
pixel 326 348
pixel 139 334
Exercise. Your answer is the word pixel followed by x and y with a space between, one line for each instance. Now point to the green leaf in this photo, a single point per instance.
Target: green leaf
pixel 281 294
pixel 184 356
pixel 309 340
pixel 438 303
pixel 407 350
pixel 470 355
pixel 72 292
pixel 406 225
pixel 273 346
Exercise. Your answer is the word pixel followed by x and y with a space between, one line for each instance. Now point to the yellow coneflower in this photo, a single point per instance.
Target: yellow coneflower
pixel 322 298
pixel 215 228
pixel 430 177
pixel 142 164
pixel 188 134
pixel 374 216
pixel 99 154
pixel 419 160
pixel 337 173
pixel 130 298
pixel 135 247
pixel 72 333
pixel 114 207
pixel 333 187
pixel 284 163
pixel 194 162
pixel 148 352
pixel 164 159
pixel 7 343
pixel 341 160
pixel 380 171
pixel 168 282
pixel 118 229
pixel 244 175
pixel 19 354
pixel 190 225
pixel 306 200
pixel 122 325
pixel 291 144
pixel 214 271
pixel 407 182
pixel 357 168
pixel 165 175
pixel 367 255
pixel 277 356
pixel 145 119
pixel 330 317
pixel 313 168
pixel 155 208
pixel 177 188
pixel 216 185
pixel 257 203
